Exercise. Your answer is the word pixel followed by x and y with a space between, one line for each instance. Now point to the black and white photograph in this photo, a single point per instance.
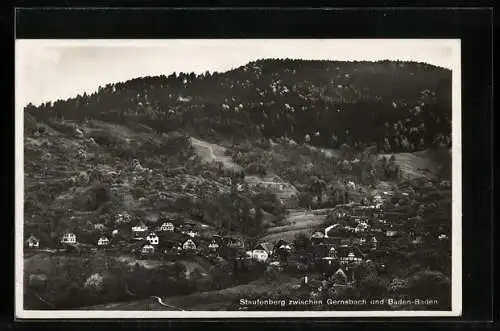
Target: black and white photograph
pixel 185 178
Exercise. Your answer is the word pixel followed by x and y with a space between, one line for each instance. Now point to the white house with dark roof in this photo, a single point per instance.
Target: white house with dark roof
pixel 442 236
pixel 139 228
pixel 213 246
pixel 262 252
pixel 68 238
pixel 348 254
pixel 266 247
pixel 147 249
pixel 103 241
pixel 260 255
pixel 189 245
pixel 340 276
pixel 32 242
pixel 153 239
pixel 167 226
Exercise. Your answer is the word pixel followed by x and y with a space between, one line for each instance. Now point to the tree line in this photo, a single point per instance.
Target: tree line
pixel 398 106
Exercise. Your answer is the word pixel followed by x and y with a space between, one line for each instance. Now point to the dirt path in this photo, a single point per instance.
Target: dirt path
pixel 213 152
pixel 160 301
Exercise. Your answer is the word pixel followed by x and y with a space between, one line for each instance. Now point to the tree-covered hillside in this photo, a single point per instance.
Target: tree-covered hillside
pixel 399 106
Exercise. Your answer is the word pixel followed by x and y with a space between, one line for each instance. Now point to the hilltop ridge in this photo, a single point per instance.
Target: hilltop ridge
pixel 405 106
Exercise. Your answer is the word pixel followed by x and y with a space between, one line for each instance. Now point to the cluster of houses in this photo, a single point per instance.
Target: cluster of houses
pixel 139 232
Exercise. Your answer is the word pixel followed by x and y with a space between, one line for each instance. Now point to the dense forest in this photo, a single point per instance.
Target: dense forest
pixel 395 106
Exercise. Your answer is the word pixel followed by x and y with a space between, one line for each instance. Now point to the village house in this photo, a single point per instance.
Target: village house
pixel 123 218
pixel 328 262
pixel 332 253
pixel 317 237
pixel 391 233
pixel 167 226
pixel 378 199
pixel 340 277
pixel 259 255
pixel 347 254
pixel 282 244
pixel 147 249
pixel 153 239
pixel 33 242
pixel 262 252
pixel 218 239
pixel 103 241
pixel 443 237
pixel 266 247
pixel 213 246
pixel 192 233
pixel 361 227
pixel 189 245
pixel 68 238
pixel 99 227
pixel 139 229
pixel 235 243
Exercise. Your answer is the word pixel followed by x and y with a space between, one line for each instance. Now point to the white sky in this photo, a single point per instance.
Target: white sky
pixel 47 70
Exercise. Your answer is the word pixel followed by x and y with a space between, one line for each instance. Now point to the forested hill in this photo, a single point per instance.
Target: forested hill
pixel 399 106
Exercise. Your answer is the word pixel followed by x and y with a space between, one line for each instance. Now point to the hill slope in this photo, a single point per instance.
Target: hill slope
pixel 246 152
pixel 399 106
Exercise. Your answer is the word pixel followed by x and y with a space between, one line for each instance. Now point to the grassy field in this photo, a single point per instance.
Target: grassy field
pixel 299 221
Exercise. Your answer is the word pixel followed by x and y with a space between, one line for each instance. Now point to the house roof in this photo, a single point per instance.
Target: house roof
pixel 317 235
pixel 281 242
pixel 344 250
pixel 341 273
pixel 265 246
pixel 32 237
